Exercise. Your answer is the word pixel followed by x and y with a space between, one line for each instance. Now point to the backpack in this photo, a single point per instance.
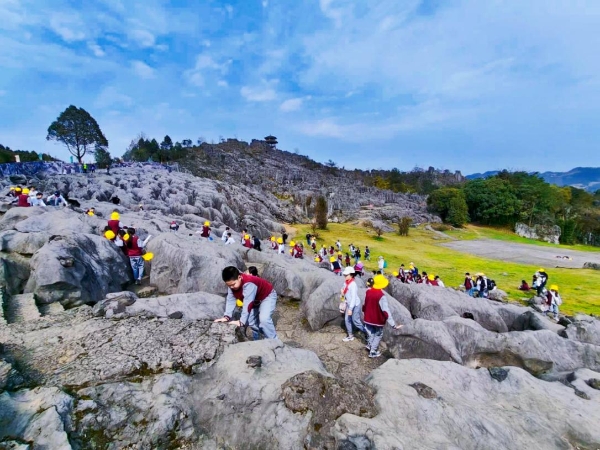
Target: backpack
pixel 385 264
pixel 491 284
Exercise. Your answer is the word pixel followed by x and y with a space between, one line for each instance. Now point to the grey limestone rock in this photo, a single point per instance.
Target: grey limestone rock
pixel 471 411
pixel 583 329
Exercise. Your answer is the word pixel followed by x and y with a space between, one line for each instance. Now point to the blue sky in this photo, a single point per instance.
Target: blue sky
pixel 466 85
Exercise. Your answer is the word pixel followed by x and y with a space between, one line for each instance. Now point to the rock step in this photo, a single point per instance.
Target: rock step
pixel 21 308
pixel 51 308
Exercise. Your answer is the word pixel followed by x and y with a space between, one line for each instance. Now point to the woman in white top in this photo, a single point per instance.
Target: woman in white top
pixel 352 312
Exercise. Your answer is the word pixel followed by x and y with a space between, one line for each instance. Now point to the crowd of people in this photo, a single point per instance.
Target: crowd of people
pixel 30 196
pixel 539 282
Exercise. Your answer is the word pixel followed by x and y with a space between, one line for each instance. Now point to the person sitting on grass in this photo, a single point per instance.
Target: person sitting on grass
pixel 524 286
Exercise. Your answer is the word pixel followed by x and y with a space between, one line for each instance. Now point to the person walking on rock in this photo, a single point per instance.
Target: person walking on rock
pixel 376 313
pixel 258 297
pixel 56 199
pixel 352 313
pixel 38 200
pixel 553 301
pixel 135 250
pixel 224 235
pixel 115 222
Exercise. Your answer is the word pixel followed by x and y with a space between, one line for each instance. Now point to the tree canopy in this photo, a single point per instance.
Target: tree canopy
pixel 78 131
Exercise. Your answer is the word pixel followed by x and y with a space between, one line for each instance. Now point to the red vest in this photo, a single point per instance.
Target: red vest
pixel 373 313
pixel 264 288
pixel 247 243
pixel 23 200
pixel 132 247
pixel 205 231
pixel 114 226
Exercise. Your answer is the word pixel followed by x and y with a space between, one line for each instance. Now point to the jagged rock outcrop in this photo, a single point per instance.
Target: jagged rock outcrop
pixel 549 234
pixel 470 410
pixel 584 329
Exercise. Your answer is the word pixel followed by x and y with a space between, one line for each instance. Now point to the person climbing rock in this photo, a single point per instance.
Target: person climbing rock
pixel 258 297
pixel 114 223
pixel 553 300
pixel 38 200
pixel 135 250
pixel 280 246
pixel 230 240
pixel 22 199
pixel 352 313
pixel 224 235
pixel 56 199
pixel 376 314
pixel 205 230
pixel 247 241
pixel 174 226
pixel 91 212
pixel 256 243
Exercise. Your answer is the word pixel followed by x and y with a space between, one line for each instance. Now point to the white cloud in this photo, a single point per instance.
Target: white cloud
pixel 143 38
pixel 265 3
pixel 222 83
pixel 96 49
pixel 258 94
pixel 110 97
pixel 292 104
pixel 205 64
pixel 68 26
pixel 142 69
pixel 229 10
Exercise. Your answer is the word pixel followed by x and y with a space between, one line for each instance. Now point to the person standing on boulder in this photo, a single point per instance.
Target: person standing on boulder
pixel 135 250
pixel 258 297
pixel 542 281
pixel 553 301
pixel 352 313
pixel 56 199
pixel 377 312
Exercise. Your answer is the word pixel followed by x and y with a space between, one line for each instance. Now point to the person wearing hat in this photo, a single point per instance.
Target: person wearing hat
pixel 274 245
pixel 414 270
pixel 205 230
pixel 313 243
pixel 323 252
pixel 430 279
pixel 376 313
pixel 115 222
pixel 22 199
pixel 352 313
pixel 280 246
pixel 91 212
pixel 247 241
pixel 553 300
pixel 135 251
pixel 173 226
pixel 56 199
pixel 258 301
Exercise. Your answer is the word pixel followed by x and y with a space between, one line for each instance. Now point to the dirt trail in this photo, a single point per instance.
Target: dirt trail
pixel 525 253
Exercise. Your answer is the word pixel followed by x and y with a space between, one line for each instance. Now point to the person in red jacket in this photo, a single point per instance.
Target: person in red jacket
pixel 23 198
pixel 135 251
pixel 258 297
pixel 376 313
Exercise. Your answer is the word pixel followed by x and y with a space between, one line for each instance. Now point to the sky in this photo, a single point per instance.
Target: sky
pixel 465 85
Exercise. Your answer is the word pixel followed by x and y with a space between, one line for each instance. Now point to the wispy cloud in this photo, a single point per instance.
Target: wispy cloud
pixel 142 69
pixel 292 104
pixel 143 38
pixel 258 94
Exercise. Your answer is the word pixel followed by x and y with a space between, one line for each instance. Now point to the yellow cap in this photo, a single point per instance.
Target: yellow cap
pixel 148 256
pixel 207 224
pixel 340 253
pixel 395 274
pixel 292 243
pixel 272 238
pixel 380 282
pixel 90 213
pixel 554 287
pixel 110 234
pixel 114 216
pixel 280 240
pixel 332 259
pixel 239 303
pixel 125 237
pixel 12 188
pixel 246 236
pixel 541 270
pixel 430 277
pixel 25 191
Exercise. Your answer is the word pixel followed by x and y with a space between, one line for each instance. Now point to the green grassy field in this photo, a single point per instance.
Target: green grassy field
pixel 579 288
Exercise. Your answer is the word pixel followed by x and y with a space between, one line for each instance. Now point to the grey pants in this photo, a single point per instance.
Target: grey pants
pixel 354 319
pixel 375 334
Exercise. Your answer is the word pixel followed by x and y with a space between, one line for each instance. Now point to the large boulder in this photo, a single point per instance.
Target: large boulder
pixel 194 306
pixel 75 349
pixel 583 329
pixel 77 269
pixel 436 303
pixel 15 215
pixel 431 404
pixel 190 264
pixel 238 400
pixel 542 353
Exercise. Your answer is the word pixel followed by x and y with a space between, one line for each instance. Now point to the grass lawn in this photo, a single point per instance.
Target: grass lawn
pixel 579 288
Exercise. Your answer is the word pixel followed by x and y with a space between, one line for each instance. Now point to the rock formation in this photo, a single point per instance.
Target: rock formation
pixel 87 363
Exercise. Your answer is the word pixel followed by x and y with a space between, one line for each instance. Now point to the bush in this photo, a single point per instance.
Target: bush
pixel 404 225
pixel 441 227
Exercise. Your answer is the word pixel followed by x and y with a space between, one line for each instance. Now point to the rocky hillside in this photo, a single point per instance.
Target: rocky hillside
pixel 90 361
pixel 297 181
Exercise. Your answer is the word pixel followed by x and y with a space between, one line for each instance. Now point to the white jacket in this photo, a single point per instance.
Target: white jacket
pixel 352 298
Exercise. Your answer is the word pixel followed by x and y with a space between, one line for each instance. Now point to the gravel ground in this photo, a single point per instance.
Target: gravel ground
pixel 525 253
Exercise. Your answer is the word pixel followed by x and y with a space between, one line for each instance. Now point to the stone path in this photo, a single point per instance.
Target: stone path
pixel 346 360
pixel 525 253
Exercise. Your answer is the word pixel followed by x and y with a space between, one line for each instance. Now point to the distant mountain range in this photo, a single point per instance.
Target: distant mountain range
pixel 587 178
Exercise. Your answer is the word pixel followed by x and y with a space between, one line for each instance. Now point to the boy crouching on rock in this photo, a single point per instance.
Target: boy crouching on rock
pixel 258 298
pixel 376 314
